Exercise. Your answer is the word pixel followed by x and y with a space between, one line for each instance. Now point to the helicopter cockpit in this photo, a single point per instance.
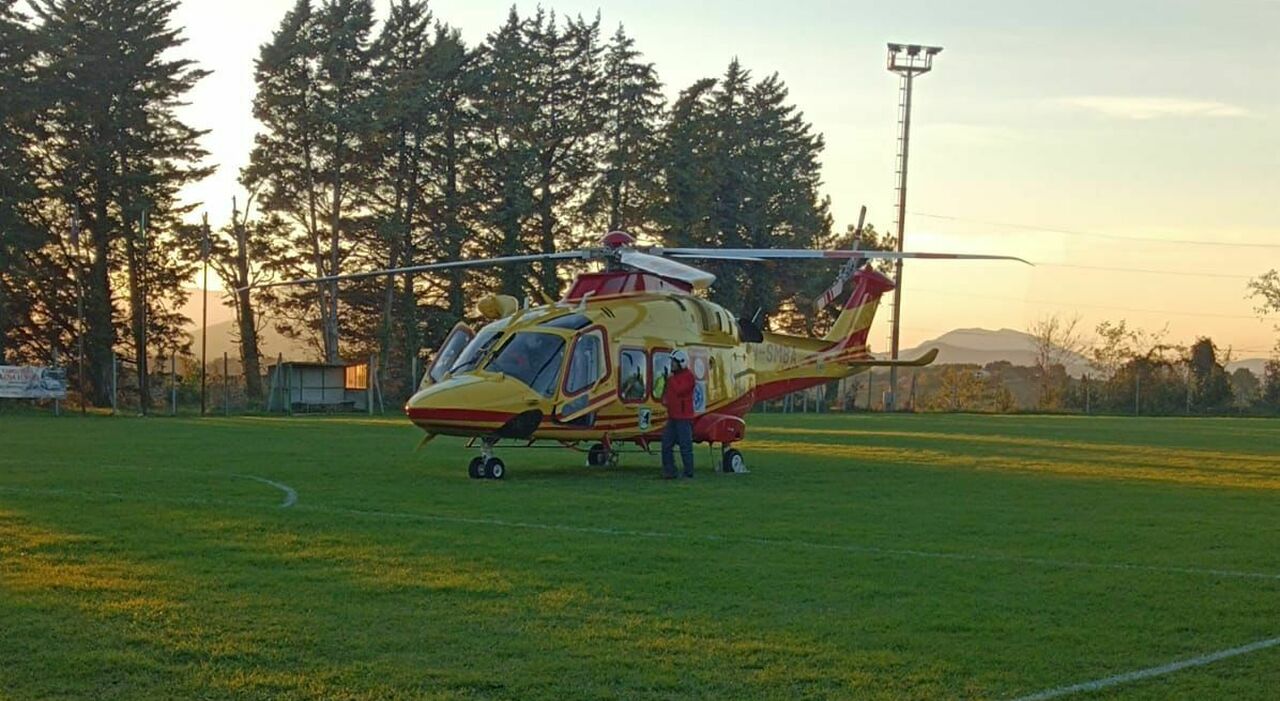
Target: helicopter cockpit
pixel 533 355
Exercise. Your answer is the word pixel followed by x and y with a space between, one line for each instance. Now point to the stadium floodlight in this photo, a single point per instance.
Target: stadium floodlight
pixel 908 61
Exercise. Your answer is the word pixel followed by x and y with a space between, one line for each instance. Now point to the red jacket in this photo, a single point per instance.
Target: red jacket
pixel 678 397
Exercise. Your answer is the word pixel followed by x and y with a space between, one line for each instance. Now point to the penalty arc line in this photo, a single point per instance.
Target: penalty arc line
pixel 1150 672
pixel 290 494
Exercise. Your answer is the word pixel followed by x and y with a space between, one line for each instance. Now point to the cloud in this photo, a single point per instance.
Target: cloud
pixel 1153 107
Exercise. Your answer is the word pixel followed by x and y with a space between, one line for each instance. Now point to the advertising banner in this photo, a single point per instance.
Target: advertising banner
pixel 32 382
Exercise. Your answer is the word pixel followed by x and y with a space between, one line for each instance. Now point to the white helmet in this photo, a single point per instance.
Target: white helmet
pixel 681 357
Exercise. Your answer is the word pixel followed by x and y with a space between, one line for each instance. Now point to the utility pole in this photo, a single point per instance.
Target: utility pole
pixel 204 310
pixel 79 258
pixel 908 61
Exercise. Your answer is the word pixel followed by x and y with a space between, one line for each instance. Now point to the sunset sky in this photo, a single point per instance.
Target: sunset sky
pixel 1118 137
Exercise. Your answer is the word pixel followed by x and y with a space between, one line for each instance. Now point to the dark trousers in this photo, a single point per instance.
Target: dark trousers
pixel 677 431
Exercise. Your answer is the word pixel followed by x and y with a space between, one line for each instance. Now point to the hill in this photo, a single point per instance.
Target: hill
pixel 983 346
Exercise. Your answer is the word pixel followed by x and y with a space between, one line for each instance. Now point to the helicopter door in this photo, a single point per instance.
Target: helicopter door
pixel 453 344
pixel 588 380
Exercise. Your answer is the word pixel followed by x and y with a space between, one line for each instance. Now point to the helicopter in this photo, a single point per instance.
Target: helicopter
pixel 590 368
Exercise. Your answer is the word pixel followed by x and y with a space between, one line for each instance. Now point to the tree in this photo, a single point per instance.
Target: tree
pixel 404 113
pixel 624 189
pixel 741 169
pixel 1245 386
pixel 310 160
pixel 506 165
pixel 1056 341
pixel 961 389
pixel 20 104
pixel 567 107
pixel 115 150
pixel 1210 387
pixel 1266 289
pixel 241 255
pixel 1271 385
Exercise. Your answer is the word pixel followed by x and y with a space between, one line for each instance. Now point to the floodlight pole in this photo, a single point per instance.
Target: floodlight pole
pixel 204 309
pixel 908 61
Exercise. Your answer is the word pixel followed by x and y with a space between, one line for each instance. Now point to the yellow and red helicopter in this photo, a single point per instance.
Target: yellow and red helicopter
pixel 591 368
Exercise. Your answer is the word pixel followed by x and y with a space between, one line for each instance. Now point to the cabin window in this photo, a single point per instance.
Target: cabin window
pixel 661 371
pixel 586 365
pixel 357 377
pixel 633 375
pixel 532 358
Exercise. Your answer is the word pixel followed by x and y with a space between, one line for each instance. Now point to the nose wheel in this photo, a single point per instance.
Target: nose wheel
pixel 485 465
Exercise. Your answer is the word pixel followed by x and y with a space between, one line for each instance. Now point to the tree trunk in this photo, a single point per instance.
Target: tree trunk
pixel 100 334
pixel 550 283
pixel 137 311
pixel 250 364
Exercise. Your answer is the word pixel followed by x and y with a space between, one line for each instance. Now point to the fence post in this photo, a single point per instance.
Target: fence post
pixel 173 383
pixel 1137 393
pixel 115 374
pixel 226 386
pixel 57 408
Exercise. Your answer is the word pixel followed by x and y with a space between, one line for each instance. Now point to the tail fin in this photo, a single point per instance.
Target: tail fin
pixel 854 323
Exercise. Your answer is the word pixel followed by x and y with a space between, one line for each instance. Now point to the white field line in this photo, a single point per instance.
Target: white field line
pixel 1151 671
pixel 290 494
pixel 661 535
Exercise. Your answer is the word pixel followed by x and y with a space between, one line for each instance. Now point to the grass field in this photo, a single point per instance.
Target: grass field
pixel 881 557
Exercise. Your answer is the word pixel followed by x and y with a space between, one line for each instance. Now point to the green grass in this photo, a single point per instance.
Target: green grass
pixel 864 557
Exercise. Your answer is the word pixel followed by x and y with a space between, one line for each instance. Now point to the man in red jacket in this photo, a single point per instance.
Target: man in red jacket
pixel 678 398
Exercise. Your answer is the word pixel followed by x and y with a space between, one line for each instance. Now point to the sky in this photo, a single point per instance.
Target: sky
pixel 1100 140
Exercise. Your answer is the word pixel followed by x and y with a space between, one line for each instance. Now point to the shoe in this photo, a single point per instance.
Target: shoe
pixel 688 475
pixel 668 477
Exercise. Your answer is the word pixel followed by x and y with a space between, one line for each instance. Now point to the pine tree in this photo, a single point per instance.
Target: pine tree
pixel 118 152
pixel 19 105
pixel 625 188
pixel 403 110
pixel 311 160
pixel 242 254
pixel 740 169
pixel 506 165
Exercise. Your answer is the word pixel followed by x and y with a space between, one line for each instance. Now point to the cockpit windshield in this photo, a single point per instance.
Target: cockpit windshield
pixel 477 349
pixel 533 358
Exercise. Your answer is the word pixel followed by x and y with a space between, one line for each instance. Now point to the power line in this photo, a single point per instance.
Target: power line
pixel 953 293
pixel 1146 270
pixel 1076 232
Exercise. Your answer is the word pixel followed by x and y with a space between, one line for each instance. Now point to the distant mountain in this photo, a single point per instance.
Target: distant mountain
pixel 982 346
pixel 222 333
pixel 1254 365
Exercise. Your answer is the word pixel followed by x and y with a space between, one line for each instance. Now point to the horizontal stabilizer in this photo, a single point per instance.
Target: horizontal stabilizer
pixel 915 363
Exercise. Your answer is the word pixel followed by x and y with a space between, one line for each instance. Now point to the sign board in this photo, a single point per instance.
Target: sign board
pixel 32 382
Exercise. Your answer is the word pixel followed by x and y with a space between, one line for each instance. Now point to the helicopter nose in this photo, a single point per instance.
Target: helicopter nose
pixel 469 405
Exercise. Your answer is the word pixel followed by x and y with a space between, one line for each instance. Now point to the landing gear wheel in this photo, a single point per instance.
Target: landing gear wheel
pixel 733 461
pixel 475 467
pixel 495 469
pixel 598 456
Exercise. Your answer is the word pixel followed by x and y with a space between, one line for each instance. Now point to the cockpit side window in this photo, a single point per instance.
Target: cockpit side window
pixel 458 339
pixel 587 364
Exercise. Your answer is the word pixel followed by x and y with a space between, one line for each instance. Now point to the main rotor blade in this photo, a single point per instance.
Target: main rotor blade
pixel 478 263
pixel 747 254
pixel 666 267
